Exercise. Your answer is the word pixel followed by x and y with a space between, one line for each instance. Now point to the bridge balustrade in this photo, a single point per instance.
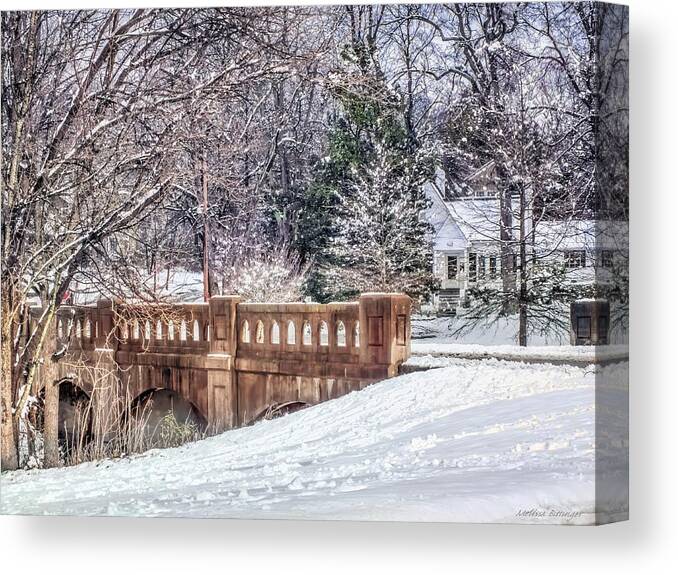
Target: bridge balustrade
pixel 233 360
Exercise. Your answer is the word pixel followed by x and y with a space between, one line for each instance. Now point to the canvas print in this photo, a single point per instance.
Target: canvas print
pixel 338 262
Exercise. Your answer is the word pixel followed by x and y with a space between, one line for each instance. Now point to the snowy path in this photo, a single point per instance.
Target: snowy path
pixel 475 441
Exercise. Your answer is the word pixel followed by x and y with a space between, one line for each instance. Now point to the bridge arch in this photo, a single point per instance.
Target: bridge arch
pixel 152 405
pixel 276 409
pixel 76 413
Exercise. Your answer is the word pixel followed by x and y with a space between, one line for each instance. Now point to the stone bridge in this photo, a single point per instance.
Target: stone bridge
pixel 234 361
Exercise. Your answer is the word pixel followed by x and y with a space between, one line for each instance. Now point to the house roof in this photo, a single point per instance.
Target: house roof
pixel 466 220
pixel 477 219
pixel 582 234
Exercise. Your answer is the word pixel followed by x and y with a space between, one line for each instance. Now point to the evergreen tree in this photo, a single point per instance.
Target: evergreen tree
pixel 382 244
pixel 377 170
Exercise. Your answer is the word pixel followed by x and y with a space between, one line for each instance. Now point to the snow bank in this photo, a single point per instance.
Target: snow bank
pixel 423 352
pixel 482 441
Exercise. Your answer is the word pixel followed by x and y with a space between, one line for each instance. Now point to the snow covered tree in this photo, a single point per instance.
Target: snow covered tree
pixel 381 242
pixel 525 114
pixel 93 123
pixel 377 172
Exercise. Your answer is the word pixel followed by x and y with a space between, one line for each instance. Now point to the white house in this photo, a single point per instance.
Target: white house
pixel 466 246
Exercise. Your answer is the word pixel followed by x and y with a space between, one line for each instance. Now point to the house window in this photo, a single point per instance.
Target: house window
pixel 472 267
pixel 606 259
pixel 575 259
pixel 481 267
pixel 493 267
pixel 451 267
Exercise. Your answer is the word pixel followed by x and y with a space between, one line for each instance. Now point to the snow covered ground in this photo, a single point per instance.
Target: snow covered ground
pixel 480 441
pixel 426 353
pixel 503 331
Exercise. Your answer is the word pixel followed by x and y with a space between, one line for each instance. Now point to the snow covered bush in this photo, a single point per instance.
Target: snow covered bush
pixel 276 275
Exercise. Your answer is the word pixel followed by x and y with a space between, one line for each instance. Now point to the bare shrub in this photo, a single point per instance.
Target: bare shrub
pixel 268 275
pixel 172 433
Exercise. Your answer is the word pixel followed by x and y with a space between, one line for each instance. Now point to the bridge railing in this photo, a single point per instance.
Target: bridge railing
pixel 366 339
pixel 375 330
pixel 278 330
pixel 176 329
pixel 180 328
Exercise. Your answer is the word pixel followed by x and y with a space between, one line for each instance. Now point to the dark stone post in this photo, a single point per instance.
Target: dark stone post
pixel 589 322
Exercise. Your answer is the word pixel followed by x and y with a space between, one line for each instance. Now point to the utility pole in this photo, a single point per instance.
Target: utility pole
pixel 205 246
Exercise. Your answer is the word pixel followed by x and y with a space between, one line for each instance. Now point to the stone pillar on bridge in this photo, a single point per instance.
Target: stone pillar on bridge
pixel 220 363
pixel 384 333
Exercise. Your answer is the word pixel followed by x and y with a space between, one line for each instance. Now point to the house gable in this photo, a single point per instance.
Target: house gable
pixel 447 235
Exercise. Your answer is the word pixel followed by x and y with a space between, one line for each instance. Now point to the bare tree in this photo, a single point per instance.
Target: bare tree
pixel 93 102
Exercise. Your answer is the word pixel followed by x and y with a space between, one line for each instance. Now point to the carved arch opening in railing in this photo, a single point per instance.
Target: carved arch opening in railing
pixel 306 334
pixel 124 330
pixel 245 332
pixel 340 334
pixel 259 332
pixel 323 334
pixel 275 333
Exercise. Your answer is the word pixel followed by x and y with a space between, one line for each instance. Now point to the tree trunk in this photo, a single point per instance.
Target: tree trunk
pixel 522 324
pixel 48 375
pixel 508 272
pixel 522 291
pixel 9 454
pixel 51 425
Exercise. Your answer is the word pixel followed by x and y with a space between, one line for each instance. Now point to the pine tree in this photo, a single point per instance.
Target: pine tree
pixel 382 243
pixel 377 170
